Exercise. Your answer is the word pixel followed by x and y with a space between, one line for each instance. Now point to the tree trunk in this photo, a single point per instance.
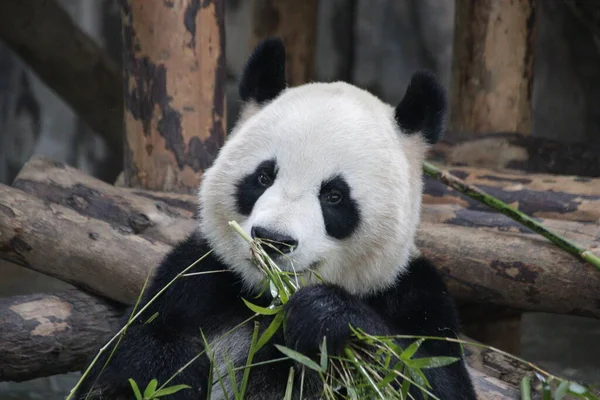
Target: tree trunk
pixel 48 334
pixel 295 22
pixel 174 69
pixel 538 195
pixel 516 151
pixel 492 70
pixel 68 61
pixel 84 251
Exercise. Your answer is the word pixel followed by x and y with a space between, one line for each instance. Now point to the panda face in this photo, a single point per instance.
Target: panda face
pixel 324 169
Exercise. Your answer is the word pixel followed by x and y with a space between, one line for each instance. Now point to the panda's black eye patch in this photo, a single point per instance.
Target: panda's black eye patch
pixel 340 210
pixel 252 186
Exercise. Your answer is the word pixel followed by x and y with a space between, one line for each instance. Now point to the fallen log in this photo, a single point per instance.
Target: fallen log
pixel 43 34
pixel 585 234
pixel 516 151
pixel 511 269
pixel 538 195
pixel 164 216
pixel 49 334
pixel 159 216
pixel 495 364
pixel 86 252
pixel 484 256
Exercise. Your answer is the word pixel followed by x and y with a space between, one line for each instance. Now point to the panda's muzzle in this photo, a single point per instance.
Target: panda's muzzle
pixel 275 243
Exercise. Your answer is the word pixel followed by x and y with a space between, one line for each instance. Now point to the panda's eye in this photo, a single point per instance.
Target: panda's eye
pixel 333 198
pixel 264 179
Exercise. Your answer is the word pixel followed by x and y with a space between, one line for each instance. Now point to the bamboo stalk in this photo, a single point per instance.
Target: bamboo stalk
pixel 498 205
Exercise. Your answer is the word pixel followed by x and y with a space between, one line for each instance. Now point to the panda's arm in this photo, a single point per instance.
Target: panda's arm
pixel 417 305
pixel 164 337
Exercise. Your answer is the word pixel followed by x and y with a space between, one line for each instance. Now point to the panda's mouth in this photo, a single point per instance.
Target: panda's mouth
pixel 289 267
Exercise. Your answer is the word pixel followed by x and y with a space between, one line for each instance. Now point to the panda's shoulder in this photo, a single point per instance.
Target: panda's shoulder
pixel 421 273
pixel 418 283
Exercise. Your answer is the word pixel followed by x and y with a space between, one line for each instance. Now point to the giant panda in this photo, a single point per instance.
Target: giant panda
pixel 333 176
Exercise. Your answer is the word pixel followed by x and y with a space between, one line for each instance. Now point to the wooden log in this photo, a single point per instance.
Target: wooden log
pixel 485 257
pixel 156 215
pixel 84 251
pixel 525 153
pixel 43 34
pixel 511 269
pixel 492 69
pixel 490 388
pixel 571 198
pixel 495 364
pixel 496 324
pixel 295 22
pixel 48 334
pixel 174 69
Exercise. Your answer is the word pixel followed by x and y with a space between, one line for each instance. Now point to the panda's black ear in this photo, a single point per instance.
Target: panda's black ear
pixel 423 108
pixel 264 74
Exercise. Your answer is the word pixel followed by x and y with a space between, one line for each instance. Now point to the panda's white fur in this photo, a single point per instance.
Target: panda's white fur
pixel 315 131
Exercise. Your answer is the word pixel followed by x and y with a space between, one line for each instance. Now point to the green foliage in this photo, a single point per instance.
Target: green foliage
pixel 150 393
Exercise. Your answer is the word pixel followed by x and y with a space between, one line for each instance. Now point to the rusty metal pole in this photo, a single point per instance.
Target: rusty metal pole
pixel 174 78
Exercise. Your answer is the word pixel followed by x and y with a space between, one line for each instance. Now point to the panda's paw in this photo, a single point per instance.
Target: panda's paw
pixel 315 312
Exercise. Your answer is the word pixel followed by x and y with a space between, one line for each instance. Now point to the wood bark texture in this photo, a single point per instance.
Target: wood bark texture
pixel 174 69
pixel 295 22
pixel 160 216
pixel 49 334
pixel 492 70
pixel 520 152
pixel 573 198
pixel 490 259
pixel 43 34
pixel 498 262
pixel 495 365
pixel 84 251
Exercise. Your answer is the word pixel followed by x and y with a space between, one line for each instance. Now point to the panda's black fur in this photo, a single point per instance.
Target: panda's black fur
pixel 416 303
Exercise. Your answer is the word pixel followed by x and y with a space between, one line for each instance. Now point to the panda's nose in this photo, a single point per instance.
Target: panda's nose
pixel 275 243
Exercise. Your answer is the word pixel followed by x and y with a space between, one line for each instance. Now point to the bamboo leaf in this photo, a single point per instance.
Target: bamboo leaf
pixel 561 390
pixel 136 389
pixel 430 362
pixel 526 388
pixel 150 389
pixel 290 385
pixel 261 310
pixel 411 350
pixel 270 331
pixel 324 357
pixel 298 357
pixel 171 390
